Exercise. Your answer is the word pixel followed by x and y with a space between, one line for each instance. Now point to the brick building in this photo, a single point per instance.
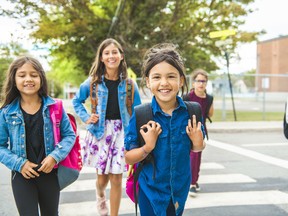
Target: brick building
pixel 272 60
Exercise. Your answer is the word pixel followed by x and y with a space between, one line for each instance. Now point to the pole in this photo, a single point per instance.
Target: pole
pixel 230 84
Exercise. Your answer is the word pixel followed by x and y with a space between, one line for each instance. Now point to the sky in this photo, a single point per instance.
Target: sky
pixel 271 16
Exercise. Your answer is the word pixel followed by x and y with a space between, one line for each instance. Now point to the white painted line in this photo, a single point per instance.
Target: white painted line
pixel 85 185
pixel 206 166
pixel 249 153
pixel 265 144
pixel 225 178
pixel 89 170
pixel 237 199
pixel 201 201
pixel 89 208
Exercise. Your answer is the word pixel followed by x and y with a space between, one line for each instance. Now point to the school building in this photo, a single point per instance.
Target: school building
pixel 272 65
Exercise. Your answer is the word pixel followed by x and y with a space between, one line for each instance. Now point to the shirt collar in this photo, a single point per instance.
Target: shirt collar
pixel 156 108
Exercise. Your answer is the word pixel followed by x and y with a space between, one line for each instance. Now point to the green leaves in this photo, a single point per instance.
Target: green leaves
pixel 74 29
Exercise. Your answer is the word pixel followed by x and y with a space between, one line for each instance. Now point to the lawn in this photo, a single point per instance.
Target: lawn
pixel 248 116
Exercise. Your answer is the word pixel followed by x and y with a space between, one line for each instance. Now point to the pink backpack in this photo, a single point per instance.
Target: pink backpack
pixel 70 167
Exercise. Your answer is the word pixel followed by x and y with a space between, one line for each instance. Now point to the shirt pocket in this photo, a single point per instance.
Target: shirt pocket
pixel 162 142
pixel 185 139
pixel 13 123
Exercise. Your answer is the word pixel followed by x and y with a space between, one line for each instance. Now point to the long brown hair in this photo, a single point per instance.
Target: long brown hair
pixel 10 91
pixel 98 67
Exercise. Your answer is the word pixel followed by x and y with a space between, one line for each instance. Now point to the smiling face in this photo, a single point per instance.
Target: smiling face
pixel 164 81
pixel 27 80
pixel 111 57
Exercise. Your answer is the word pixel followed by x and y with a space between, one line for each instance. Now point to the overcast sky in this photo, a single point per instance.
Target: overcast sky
pixel 272 16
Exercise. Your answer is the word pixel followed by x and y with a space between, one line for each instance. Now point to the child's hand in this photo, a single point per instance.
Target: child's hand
pixel 93 119
pixel 195 134
pixel 27 170
pixel 150 133
pixel 47 164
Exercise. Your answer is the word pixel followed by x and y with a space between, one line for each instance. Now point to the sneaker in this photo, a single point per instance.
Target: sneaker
pixel 197 187
pixel 192 191
pixel 102 206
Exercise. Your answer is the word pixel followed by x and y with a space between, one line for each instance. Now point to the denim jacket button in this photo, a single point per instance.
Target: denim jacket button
pixel 23 135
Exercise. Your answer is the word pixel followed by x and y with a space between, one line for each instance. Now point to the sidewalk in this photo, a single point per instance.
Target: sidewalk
pixel 229 126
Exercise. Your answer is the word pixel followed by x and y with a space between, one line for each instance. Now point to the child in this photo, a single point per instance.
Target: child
pixel 26 138
pixel 169 135
pixel 198 94
pixel 104 142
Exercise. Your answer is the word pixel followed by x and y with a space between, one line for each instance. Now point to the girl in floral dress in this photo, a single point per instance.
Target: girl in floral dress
pixel 108 121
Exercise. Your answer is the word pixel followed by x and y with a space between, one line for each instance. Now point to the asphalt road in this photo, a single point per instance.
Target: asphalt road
pixel 242 174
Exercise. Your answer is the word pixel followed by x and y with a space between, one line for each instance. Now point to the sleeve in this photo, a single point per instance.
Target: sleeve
pixel 137 98
pixel 79 100
pixel 7 157
pixel 131 139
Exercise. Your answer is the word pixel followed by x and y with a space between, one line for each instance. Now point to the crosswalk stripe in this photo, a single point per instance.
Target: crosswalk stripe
pixel 203 200
pixel 207 166
pixel 237 198
pixel 225 178
pixel 264 144
pixel 84 185
pixel 248 153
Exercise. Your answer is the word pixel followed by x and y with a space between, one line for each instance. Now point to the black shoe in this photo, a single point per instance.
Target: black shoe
pixel 192 191
pixel 197 187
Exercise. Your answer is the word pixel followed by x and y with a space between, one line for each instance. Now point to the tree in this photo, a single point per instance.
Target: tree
pixel 8 53
pixel 74 28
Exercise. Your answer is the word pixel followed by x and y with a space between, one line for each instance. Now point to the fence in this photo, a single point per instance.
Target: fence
pixel 260 93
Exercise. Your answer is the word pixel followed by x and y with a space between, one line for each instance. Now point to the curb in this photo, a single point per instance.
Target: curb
pixel 259 126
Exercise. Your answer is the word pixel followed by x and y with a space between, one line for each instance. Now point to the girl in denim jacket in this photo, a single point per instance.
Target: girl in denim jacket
pixel 26 138
pixel 104 142
pixel 168 137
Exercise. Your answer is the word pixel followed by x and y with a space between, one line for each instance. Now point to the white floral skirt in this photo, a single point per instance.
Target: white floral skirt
pixel 106 154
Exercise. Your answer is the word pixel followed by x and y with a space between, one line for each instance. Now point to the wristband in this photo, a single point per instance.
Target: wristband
pixel 144 152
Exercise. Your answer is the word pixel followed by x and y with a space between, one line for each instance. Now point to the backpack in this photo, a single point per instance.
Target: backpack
pixel 187 97
pixel 70 167
pixel 143 114
pixel 129 96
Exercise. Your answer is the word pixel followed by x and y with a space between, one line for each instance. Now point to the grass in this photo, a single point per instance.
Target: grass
pixel 248 116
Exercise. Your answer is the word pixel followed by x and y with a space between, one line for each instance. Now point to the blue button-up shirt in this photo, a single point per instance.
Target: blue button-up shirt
pixel 172 159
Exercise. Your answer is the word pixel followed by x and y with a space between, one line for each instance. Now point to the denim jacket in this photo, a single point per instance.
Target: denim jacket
pixel 13 141
pixel 102 93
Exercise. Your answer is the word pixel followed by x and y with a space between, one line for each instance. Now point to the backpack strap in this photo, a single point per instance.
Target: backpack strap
pixel 93 96
pixel 56 116
pixel 209 104
pixel 129 95
pixel 194 108
pixel 143 114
